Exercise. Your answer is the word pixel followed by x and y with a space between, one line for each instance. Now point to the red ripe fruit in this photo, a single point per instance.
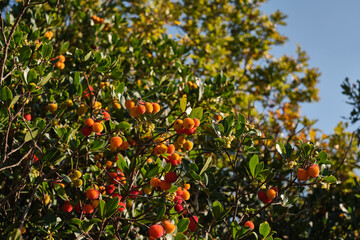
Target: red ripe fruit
pixel 133 193
pixel 193 223
pixel 179 192
pixel 189 131
pixel 122 207
pixel 77 208
pixel 178 208
pixel 88 208
pixel 86 131
pixel 106 116
pixel 178 200
pixel 27 117
pixel 110 189
pixel 171 177
pixel 174 162
pixel 114 178
pixel 87 92
pixel 181 131
pixel 156 231
pixel 262 197
pixel 67 207
pixel 249 224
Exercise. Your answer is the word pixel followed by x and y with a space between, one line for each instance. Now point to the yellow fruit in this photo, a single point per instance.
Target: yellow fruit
pixel 52 107
pixel 102 85
pixel 62 58
pixel 181 140
pixel 69 103
pixel 75 175
pixel 46 199
pixel 156 107
pixel 188 145
pixel 77 182
pixel 178 125
pixel 82 110
pixel 97 105
pixel 149 108
pixel 147 190
pixel 116 105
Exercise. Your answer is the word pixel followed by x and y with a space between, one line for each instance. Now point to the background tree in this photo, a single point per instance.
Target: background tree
pixel 80 83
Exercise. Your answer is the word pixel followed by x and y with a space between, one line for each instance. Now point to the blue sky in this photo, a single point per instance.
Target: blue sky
pixel 328 30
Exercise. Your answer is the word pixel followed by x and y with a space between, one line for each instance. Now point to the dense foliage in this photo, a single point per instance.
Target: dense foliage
pixel 164 119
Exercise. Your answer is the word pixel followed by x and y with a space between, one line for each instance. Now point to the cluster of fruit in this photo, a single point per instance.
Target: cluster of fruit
pixel 268 196
pixel 117 144
pixel 141 108
pixel 187 126
pixel 305 174
pixel 60 64
pixel 49 34
pixel 97 19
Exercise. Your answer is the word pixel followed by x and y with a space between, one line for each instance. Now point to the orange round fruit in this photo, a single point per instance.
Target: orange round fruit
pixel 141 109
pixel 271 194
pixel 95 203
pixel 155 182
pixel 196 122
pixel 181 140
pixel 169 227
pixel 156 107
pixel 133 112
pixel 303 175
pixel 187 186
pixel 185 195
pixel 170 149
pixel 162 148
pixel 156 231
pixel 116 142
pixel 188 123
pixel 164 185
pixel 178 125
pixel 217 118
pixel 249 224
pixel 97 127
pixel 52 107
pixel 89 122
pixel 124 145
pixel 61 58
pixel 313 171
pixel 92 194
pixel 88 208
pixel 129 104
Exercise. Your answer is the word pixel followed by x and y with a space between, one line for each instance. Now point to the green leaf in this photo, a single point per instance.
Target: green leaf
pixel 101 208
pixel 217 209
pixel 123 126
pixel 153 171
pixel 183 102
pixel 46 50
pixel 45 79
pixel 6 94
pixel 280 149
pixel 64 47
pixel 15 235
pixel 15 99
pixel 206 165
pixel 155 90
pixel 183 225
pixel 76 221
pixel 264 229
pixel 252 164
pixel 180 236
pixel 87 56
pixel 77 78
pixel 32 76
pixel 30 134
pixel 161 213
pixel 197 113
pixel 330 179
pixel 111 207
